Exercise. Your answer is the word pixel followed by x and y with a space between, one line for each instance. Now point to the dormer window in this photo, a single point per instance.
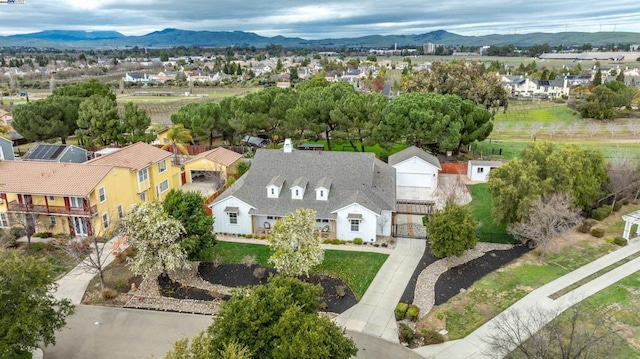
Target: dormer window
pixel 322 189
pixel 274 187
pixel 298 187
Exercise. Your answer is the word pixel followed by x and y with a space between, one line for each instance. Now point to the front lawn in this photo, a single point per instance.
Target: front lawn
pixel 481 208
pixel 357 269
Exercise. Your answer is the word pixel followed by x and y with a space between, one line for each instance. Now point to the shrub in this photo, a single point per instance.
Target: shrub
pixel 324 306
pixel 259 273
pixel 384 245
pixel 432 337
pixel 376 245
pixel 206 254
pixel 216 260
pixel 586 225
pixel 601 213
pixel 38 247
pixel 249 261
pixel 597 232
pixel 401 310
pixel 108 293
pixel 617 206
pixel 341 291
pixel 357 240
pixel 405 333
pixel 620 241
pixel 17 232
pixel 413 312
pixel 625 202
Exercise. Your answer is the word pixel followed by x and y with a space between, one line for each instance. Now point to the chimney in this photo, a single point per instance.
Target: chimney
pixel 288 146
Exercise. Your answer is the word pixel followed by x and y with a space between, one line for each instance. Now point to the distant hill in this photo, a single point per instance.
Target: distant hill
pixel 177 37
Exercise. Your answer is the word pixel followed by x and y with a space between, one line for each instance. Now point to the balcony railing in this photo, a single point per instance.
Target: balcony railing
pixel 14 206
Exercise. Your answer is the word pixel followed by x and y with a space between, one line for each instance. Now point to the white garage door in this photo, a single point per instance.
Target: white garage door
pixel 415 180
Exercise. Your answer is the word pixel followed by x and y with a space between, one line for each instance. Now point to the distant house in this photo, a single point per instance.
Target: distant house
pixel 137 78
pixel 254 141
pixel 479 170
pixel 214 167
pixel 584 56
pixel 352 193
pixel 165 76
pixel 6 150
pixel 416 173
pixel 44 152
pixel 520 86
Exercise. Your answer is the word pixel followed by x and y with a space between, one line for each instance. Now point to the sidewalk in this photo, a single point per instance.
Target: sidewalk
pixel 474 345
pixel 336 247
pixel 73 285
pixel 373 315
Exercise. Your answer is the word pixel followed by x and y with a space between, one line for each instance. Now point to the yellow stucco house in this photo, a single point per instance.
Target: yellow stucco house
pixel 87 198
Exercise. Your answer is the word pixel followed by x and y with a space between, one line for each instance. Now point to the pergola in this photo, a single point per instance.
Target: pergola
pixel 631 219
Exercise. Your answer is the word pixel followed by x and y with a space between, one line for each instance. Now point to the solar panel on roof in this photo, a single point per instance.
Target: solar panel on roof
pixel 46 152
pixel 57 152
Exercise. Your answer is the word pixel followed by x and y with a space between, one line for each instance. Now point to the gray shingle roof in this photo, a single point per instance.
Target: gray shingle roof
pixel 352 177
pixel 411 152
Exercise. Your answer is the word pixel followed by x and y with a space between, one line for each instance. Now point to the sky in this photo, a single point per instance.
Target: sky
pixel 323 19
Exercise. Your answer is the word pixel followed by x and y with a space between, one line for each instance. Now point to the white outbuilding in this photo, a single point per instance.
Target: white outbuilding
pixel 479 170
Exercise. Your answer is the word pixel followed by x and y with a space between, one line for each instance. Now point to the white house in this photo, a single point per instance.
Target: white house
pixel 479 170
pixel 416 173
pixel 6 150
pixel 527 88
pixel 353 194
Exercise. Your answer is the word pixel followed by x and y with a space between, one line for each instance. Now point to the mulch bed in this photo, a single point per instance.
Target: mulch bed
pixel 463 276
pixel 427 259
pixel 239 275
pixel 170 288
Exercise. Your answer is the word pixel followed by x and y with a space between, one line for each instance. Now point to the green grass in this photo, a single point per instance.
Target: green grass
pixel 541 111
pixel 357 269
pixel 498 290
pixel 481 208
pixel 511 149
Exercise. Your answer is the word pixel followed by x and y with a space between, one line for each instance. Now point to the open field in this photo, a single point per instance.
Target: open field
pixel 481 208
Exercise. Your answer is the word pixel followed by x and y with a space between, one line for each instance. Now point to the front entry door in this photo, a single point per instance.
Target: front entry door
pixel 80 226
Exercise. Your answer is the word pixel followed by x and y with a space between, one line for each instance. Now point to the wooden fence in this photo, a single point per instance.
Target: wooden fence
pixel 454 168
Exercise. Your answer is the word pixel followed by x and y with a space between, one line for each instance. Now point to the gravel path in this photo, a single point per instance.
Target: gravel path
pixel 424 296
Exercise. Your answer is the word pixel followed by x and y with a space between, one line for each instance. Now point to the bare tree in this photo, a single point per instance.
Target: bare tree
pixel 90 253
pixel 623 172
pixel 499 127
pixel 534 333
pixel 547 218
pixel 612 128
pixel 593 128
pixel 534 129
pixel 553 129
pixel 634 127
pixel 28 221
pixel 571 129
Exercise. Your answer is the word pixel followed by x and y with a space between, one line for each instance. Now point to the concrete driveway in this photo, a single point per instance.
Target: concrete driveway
pixel 108 333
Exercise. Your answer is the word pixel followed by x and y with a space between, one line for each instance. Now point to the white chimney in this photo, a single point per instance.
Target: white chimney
pixel 288 146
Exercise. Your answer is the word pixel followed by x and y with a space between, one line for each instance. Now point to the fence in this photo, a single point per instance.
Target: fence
pixel 453 168
pixel 198 149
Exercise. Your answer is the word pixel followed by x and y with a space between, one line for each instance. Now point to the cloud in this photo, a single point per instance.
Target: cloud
pixel 323 19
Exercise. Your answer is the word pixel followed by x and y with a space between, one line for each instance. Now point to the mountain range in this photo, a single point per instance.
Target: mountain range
pixel 177 37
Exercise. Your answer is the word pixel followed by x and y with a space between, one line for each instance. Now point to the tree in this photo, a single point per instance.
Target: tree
pixel 279 320
pixel 623 176
pixel 462 78
pixel 358 115
pixel 178 136
pixel 155 235
pixel 134 124
pixel 597 79
pixel 98 121
pixel 535 334
pixel 203 119
pixel 548 217
pixel 46 119
pixel 189 208
pixel 543 168
pixel 451 230
pixel 29 314
pixel 199 349
pixel 422 119
pixel 295 243
pixel 85 90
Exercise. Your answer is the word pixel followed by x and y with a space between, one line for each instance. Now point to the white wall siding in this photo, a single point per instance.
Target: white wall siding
pixel 368 225
pixel 415 172
pixel 478 173
pixel 384 224
pixel 221 218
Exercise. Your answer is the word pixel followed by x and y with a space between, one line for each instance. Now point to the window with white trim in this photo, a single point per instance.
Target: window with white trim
pixel 4 222
pixel 143 175
pixel 355 225
pixel 233 218
pixel 105 220
pixel 480 169
pixel 162 188
pixel 143 196
pixel 120 211
pixel 102 194
pixel 52 221
pixel 162 166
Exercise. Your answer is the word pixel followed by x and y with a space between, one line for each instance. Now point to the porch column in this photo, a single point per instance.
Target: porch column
pixel 627 230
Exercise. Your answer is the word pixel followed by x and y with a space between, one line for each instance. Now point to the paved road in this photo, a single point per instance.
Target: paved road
pixel 474 345
pixel 108 333
pixel 373 315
